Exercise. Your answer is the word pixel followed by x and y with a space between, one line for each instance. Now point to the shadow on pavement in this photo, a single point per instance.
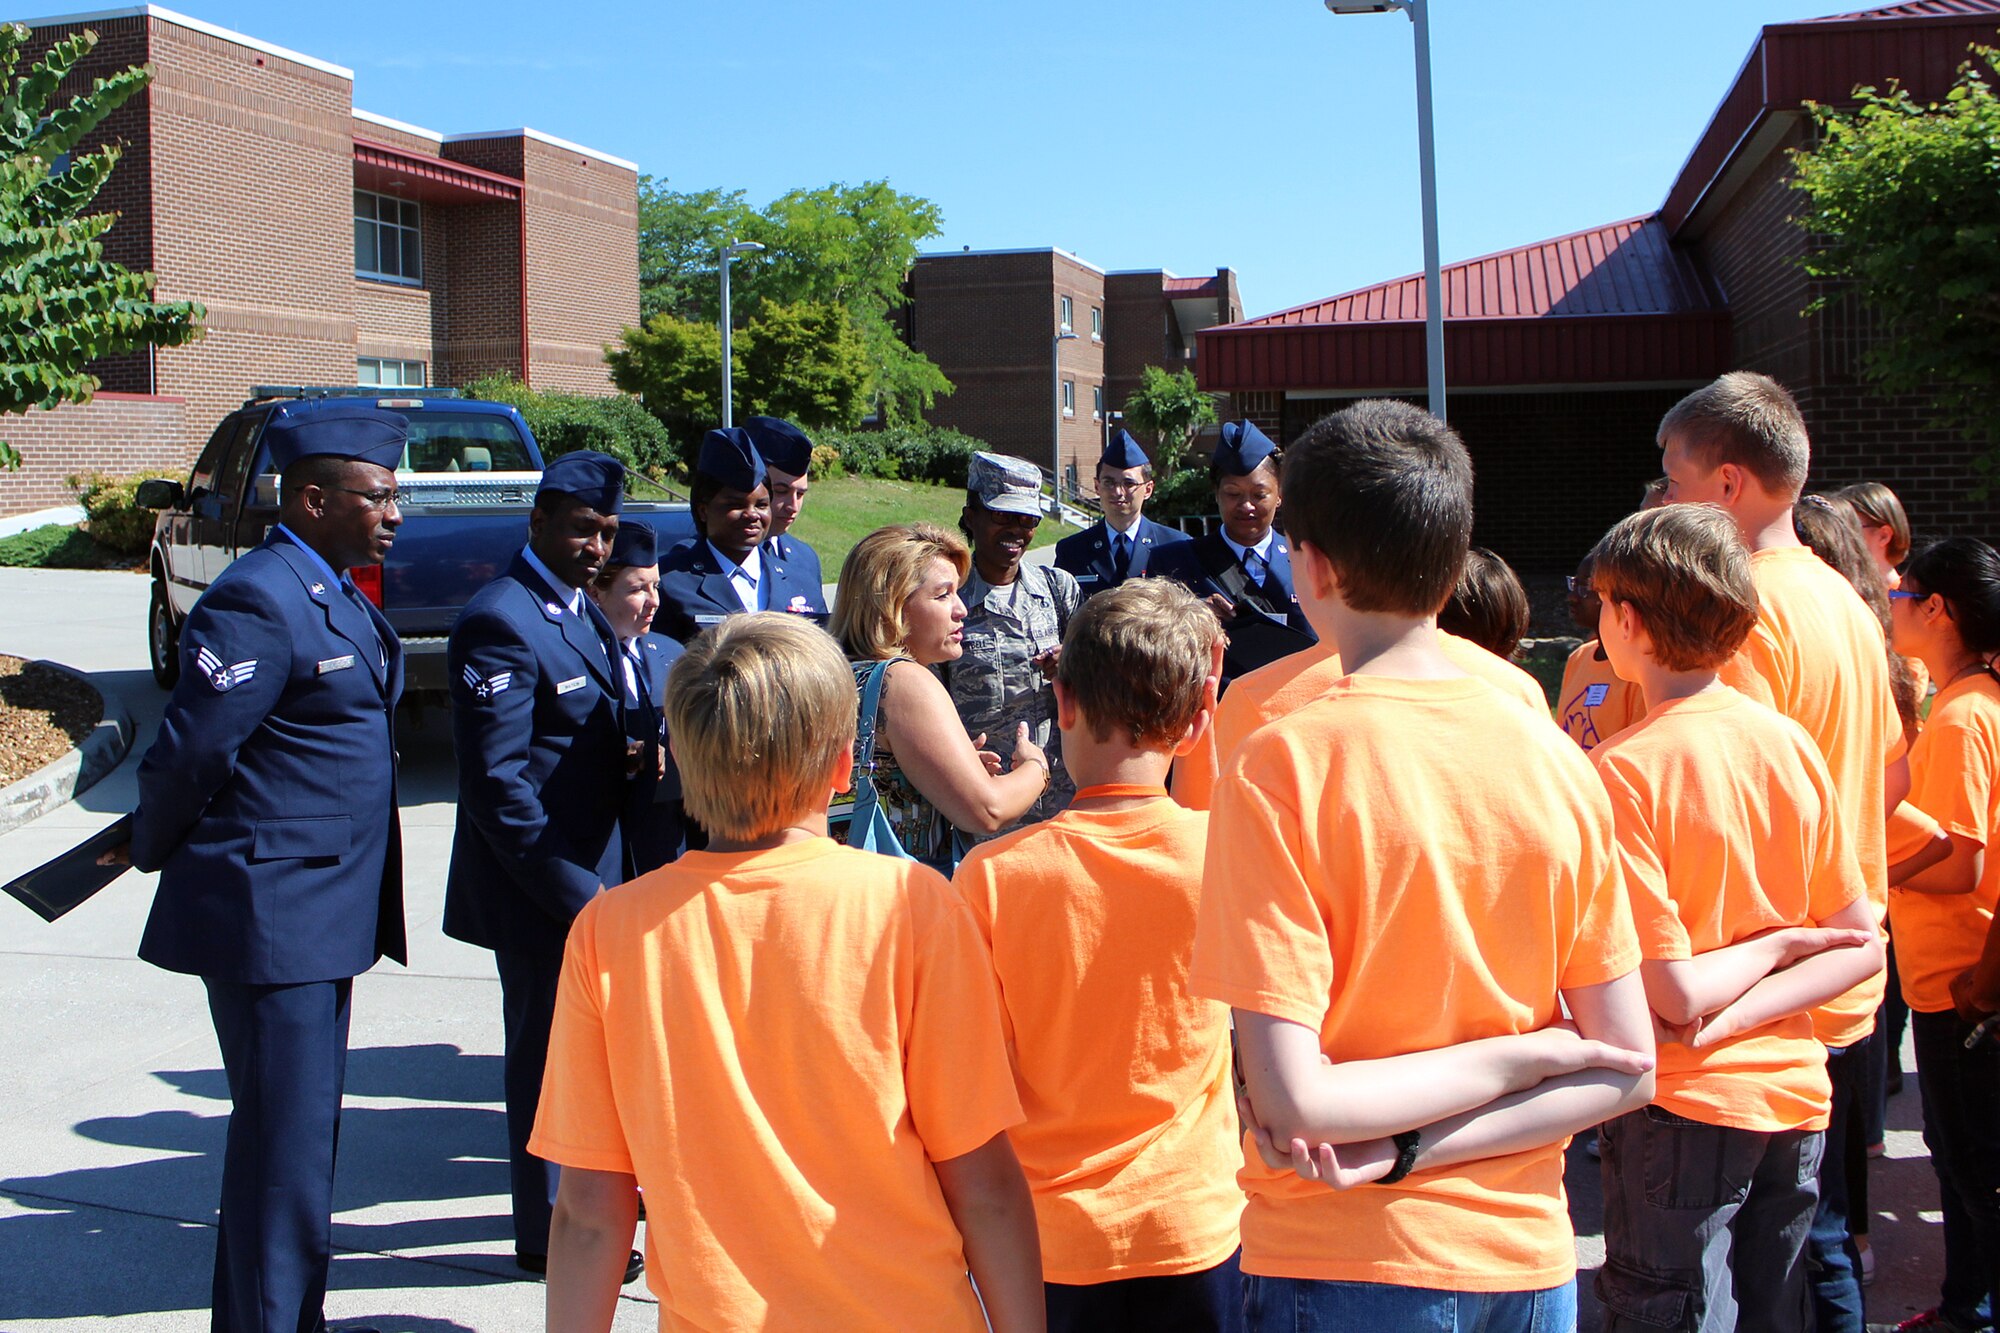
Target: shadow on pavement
pixel 138 1238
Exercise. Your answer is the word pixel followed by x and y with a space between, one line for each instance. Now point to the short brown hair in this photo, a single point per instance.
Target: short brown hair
pixel 1135 658
pixel 760 707
pixel 1384 491
pixel 1746 419
pixel 1489 606
pixel 1686 571
pixel 877 578
pixel 1877 507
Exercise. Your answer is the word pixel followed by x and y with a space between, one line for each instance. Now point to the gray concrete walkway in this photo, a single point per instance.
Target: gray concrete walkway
pixel 112 1120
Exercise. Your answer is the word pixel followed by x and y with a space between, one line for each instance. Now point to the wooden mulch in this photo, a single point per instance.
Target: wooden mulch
pixel 44 714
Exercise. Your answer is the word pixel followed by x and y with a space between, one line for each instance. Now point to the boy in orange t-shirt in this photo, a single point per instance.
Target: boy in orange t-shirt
pixel 1751 911
pixel 1130 1145
pixel 1594 704
pixel 1817 655
pixel 792 1047
pixel 1398 934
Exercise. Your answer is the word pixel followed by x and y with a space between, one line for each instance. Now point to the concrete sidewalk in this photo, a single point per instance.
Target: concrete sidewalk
pixel 111 1129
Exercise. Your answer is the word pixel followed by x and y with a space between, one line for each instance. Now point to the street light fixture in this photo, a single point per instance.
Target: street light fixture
pixel 1055 379
pixel 727 255
pixel 1419 12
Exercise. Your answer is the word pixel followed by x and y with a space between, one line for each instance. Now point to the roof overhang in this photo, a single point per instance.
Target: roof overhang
pixel 387 169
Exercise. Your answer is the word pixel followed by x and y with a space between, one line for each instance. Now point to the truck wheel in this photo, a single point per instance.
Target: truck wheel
pixel 163 639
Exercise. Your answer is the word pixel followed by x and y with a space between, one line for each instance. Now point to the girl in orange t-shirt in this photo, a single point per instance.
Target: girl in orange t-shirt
pixel 1947 613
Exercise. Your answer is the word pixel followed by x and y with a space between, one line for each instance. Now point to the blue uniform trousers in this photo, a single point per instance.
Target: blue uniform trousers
pixel 528 980
pixel 284 1049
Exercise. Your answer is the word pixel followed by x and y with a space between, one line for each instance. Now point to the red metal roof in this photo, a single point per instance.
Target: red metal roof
pixel 1925 9
pixel 1185 287
pixel 420 176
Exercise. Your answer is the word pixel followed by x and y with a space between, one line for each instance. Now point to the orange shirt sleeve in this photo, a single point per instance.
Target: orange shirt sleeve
pixel 959 1080
pixel 1954 783
pixel 1661 933
pixel 576 1123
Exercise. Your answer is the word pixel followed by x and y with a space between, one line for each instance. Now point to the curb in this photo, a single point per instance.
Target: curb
pixel 57 783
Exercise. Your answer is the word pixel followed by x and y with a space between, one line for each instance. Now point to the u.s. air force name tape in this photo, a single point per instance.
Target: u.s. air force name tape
pixel 565 686
pixel 333 664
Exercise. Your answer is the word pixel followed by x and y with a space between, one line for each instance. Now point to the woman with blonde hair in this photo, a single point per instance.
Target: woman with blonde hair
pixel 898 613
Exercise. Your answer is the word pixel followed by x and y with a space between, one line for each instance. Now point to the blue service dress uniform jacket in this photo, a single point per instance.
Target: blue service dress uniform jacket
pixel 802 572
pixel 652 823
pixel 1207 565
pixel 695 592
pixel 1086 555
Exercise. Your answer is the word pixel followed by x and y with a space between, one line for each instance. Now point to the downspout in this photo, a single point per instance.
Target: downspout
pixel 524 281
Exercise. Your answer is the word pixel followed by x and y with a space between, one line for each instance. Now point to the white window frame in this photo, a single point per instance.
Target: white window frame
pixel 416 233
pixel 1069 398
pixel 389 372
pixel 1066 310
pixel 1097 324
pixel 1097 402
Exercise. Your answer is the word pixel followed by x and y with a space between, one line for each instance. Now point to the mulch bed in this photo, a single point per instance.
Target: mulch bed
pixel 44 714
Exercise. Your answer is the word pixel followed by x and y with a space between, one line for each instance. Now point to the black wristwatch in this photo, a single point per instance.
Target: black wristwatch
pixel 1407 1144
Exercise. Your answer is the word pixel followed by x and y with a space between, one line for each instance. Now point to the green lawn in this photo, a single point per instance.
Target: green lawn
pixel 840 511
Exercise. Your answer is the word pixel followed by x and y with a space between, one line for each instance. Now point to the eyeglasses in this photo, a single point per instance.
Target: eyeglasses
pixel 1577 587
pixel 1121 485
pixel 376 499
pixel 1903 594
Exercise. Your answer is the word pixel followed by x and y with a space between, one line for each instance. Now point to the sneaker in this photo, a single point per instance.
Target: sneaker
pixel 1930 1321
pixel 1867 1253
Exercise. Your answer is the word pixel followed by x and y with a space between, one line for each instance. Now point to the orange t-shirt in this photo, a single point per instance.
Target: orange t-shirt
pixel 1595 703
pixel 1130 1144
pixel 1953 777
pixel 1910 830
pixel 1403 866
pixel 1817 655
pixel 1292 682
pixel 1727 827
pixel 778 1045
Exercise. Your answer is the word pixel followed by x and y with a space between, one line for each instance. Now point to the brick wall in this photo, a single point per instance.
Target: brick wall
pixel 115 433
pixel 482 313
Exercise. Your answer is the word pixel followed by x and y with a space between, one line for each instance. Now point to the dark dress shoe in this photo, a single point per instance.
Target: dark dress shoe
pixel 538 1264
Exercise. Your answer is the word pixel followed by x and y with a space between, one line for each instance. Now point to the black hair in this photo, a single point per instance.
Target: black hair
pixel 1966 573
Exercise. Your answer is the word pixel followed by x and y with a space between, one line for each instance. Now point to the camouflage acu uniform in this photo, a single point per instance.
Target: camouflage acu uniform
pixel 995 685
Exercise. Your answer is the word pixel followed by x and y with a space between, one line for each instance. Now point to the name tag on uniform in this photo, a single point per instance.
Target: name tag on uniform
pixel 709 620
pixel 565 686
pixel 334 664
pixel 1595 695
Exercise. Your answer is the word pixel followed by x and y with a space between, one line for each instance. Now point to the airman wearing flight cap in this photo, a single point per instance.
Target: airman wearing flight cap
pixel 537 711
pixel 268 805
pixel 787 454
pixel 1244 571
pixel 1015 616
pixel 1120 545
pixel 728 568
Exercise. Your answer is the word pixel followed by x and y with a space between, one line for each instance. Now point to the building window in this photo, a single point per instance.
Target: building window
pixel 389 374
pixel 388 239
pixel 1096 324
pixel 1068 313
pixel 1096 402
pixel 1069 398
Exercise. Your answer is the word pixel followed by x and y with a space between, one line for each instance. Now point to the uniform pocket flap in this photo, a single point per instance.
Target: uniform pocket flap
pixel 1657 1300
pixel 285 839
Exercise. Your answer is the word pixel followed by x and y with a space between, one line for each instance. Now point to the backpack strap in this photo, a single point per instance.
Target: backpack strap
pixel 865 799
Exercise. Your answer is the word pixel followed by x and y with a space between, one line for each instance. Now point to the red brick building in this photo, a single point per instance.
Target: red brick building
pixel 330 246
pixel 992 320
pixel 1561 356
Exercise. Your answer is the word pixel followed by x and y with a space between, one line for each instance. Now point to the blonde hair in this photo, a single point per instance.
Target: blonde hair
pixel 1749 420
pixel 879 576
pixel 1135 658
pixel 760 708
pixel 1687 572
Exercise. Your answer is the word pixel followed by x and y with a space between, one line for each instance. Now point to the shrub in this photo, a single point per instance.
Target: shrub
pixel 909 453
pixel 116 522
pixel 1184 495
pixel 54 546
pixel 826 461
pixel 563 423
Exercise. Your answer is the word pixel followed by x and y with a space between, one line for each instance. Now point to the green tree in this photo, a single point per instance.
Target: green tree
pixel 679 235
pixel 675 367
pixel 1904 202
pixel 805 362
pixel 1172 409
pixel 62 304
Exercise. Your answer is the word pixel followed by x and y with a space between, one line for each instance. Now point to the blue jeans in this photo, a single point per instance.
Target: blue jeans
pixel 1834 1267
pixel 1311 1305
pixel 1962 1130
pixel 1704 1226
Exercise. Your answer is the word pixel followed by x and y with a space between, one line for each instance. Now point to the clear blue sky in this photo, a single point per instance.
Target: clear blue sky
pixel 1266 135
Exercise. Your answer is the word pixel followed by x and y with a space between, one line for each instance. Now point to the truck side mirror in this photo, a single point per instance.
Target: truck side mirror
pixel 159 493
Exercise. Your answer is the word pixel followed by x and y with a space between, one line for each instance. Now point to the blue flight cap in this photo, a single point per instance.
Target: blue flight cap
pixel 1122 452
pixel 1242 448
pixel 784 446
pixel 730 456
pixel 635 544
pixel 326 427
pixel 590 478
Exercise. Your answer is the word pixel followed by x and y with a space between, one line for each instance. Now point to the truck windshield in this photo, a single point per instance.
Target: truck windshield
pixel 446 441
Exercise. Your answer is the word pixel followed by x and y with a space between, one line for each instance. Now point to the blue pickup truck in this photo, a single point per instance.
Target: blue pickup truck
pixel 467 481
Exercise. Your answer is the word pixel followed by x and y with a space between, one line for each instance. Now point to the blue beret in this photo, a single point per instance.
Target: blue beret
pixel 635 544
pixel 594 479
pixel 325 427
pixel 730 456
pixel 1242 448
pixel 784 446
pixel 1122 452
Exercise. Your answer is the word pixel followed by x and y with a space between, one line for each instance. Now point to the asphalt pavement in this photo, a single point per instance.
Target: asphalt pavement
pixel 111 1123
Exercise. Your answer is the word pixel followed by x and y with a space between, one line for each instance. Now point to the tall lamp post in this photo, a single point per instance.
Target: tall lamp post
pixel 727 256
pixel 1419 12
pixel 1055 380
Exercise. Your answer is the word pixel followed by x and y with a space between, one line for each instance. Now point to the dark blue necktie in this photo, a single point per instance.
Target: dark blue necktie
pixel 1253 565
pixel 1121 555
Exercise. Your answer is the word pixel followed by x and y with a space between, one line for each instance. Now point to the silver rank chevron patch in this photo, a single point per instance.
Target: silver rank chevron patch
pixel 485 687
pixel 223 678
